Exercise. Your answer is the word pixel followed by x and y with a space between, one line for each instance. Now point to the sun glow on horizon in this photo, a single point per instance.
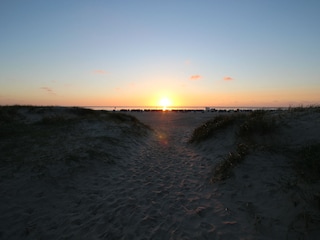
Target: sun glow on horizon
pixel 165 103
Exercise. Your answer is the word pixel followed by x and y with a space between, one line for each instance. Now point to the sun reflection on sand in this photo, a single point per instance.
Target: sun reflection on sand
pixel 163 139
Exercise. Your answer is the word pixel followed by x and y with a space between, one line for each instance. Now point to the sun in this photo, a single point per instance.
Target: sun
pixel 165 103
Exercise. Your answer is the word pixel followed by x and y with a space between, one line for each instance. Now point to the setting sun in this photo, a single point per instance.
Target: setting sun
pixel 165 102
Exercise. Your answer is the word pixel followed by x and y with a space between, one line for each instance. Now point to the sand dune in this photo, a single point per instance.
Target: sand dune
pixel 76 174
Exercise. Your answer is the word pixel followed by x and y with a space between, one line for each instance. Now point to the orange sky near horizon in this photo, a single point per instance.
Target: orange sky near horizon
pixel 219 99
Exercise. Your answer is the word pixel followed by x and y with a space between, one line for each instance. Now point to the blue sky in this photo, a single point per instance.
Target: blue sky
pixel 123 53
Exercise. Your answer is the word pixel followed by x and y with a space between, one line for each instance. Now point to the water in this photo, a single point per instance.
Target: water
pixel 181 108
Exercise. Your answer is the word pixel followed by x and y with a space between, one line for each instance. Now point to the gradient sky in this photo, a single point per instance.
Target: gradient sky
pixel 135 52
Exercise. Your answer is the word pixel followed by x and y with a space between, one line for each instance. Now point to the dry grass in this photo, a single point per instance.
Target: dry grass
pixel 257 123
pixel 209 128
pixel 223 170
pixel 251 127
pixel 248 126
pixel 304 108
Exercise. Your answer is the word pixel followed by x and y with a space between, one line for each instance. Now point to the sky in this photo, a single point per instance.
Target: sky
pixel 137 52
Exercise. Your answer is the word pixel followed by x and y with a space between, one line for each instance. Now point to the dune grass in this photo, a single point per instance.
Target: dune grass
pixel 257 123
pixel 304 108
pixel 248 126
pixel 254 123
pixel 223 169
pixel 209 128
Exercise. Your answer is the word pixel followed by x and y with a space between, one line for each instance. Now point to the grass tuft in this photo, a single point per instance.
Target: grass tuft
pixel 315 108
pixel 210 127
pixel 223 170
pixel 261 123
pixel 250 126
pixel 257 123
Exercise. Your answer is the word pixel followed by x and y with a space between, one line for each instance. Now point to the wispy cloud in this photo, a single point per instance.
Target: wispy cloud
pixel 195 77
pixel 227 78
pixel 48 90
pixel 102 72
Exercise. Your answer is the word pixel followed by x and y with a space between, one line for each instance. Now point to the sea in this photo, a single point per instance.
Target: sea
pixel 179 108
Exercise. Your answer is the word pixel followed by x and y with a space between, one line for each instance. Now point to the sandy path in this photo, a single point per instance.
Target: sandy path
pixel 165 193
pixel 160 192
pixel 168 182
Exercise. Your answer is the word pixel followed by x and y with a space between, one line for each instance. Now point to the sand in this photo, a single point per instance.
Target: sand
pixel 117 179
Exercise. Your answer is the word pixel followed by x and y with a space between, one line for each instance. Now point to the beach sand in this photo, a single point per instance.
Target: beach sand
pixel 80 175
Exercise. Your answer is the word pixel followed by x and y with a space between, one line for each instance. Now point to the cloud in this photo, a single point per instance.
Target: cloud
pixel 102 72
pixel 195 77
pixel 48 90
pixel 227 78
